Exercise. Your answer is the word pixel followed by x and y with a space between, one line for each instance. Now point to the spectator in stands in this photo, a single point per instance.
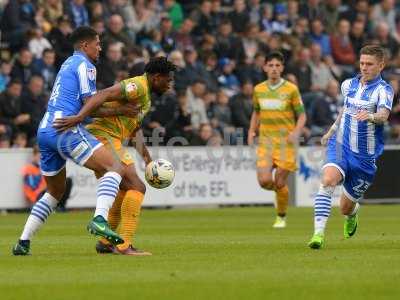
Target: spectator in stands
pixel 227 80
pixel 37 43
pixel 183 37
pixel 300 32
pixel 358 36
pixel 384 12
pixel 45 67
pixel 255 11
pixel 203 19
pixel 141 20
pixel 110 65
pixel 342 49
pixel 330 11
pixel 251 43
pixel 317 35
pixel 197 107
pixel 222 118
pixel 33 103
pixel 77 13
pixel 135 61
pixel 53 10
pixel 383 36
pixel 11 108
pixel 218 13
pixel 325 109
pixel 280 23
pixel 320 72
pixel 302 70
pixel 20 140
pixel 181 79
pixel 98 25
pixel 5 71
pixel 358 12
pixel 194 68
pixel 252 72
pixel 161 114
pixel 34 183
pixel 181 126
pixel 19 17
pixel 5 141
pixel 23 69
pixel 116 32
pixel 175 13
pixel 167 34
pixel 59 37
pixel 242 107
pixel 227 44
pixel 293 7
pixel 239 16
pixel 267 16
pixel 394 119
pixel 206 136
pixel 311 10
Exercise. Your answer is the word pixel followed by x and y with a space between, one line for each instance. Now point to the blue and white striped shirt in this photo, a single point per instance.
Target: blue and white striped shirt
pixel 363 138
pixel 75 81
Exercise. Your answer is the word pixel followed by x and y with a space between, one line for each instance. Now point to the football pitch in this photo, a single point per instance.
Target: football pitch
pixel 227 253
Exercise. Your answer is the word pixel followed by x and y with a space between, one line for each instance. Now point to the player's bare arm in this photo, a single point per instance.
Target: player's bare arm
pixel 129 109
pixel 380 117
pixel 332 130
pixel 140 146
pixel 301 122
pixel 254 122
pixel 91 103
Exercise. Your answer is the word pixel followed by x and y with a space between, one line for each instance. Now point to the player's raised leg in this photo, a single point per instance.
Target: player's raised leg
pixel 331 177
pixel 102 162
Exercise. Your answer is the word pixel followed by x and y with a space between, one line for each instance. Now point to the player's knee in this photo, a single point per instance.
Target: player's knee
pixel 328 180
pixel 266 183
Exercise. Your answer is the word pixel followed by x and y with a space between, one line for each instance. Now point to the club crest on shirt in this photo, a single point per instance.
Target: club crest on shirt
pixel 130 87
pixel 91 74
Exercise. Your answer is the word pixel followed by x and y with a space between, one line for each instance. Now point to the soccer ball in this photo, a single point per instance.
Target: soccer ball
pixel 160 173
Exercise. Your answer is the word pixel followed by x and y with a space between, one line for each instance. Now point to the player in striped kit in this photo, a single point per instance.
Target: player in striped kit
pixel 354 142
pixel 279 118
pixel 73 90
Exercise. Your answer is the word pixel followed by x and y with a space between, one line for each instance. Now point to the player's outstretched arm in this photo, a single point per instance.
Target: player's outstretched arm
pixel 91 103
pixel 130 110
pixel 141 147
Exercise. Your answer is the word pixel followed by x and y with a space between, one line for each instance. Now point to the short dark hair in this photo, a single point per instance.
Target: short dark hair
pixel 275 55
pixel 159 65
pixel 374 50
pixel 83 34
pixel 48 50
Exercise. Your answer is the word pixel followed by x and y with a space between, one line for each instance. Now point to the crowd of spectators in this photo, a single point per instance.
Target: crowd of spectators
pixel 219 47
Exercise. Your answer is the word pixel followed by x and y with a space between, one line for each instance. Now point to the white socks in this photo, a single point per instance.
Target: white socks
pixel 107 190
pixel 39 214
pixel 322 208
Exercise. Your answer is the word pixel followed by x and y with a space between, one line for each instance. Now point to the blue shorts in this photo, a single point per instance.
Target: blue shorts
pixel 76 144
pixel 358 173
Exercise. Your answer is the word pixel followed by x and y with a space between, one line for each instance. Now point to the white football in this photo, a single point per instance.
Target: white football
pixel 160 173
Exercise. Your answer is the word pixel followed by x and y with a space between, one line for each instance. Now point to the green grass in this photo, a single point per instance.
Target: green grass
pixel 229 253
